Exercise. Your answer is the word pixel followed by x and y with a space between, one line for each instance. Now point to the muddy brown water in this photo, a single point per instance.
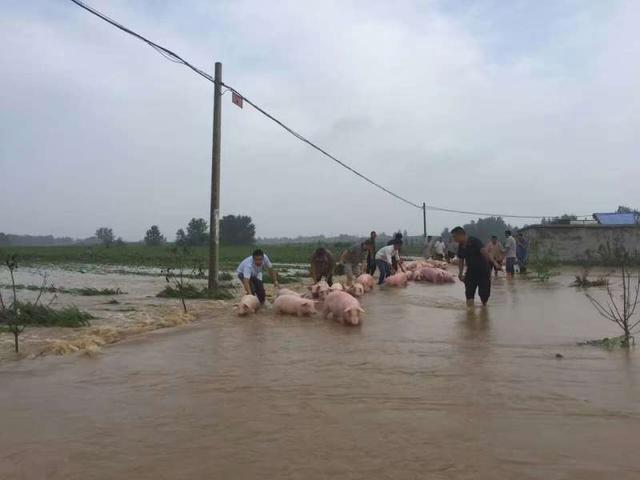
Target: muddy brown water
pixel 424 389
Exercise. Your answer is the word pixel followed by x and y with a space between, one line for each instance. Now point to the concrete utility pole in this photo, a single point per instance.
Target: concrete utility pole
pixel 214 218
pixel 424 220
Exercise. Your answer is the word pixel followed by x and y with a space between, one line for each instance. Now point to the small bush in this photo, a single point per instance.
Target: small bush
pixel 90 291
pixel 542 263
pixel 45 316
pixel 190 291
pixel 225 276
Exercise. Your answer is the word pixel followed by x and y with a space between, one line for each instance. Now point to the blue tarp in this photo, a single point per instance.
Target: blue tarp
pixel 616 218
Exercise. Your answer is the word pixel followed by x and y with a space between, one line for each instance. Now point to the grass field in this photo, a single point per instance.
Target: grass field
pixel 141 255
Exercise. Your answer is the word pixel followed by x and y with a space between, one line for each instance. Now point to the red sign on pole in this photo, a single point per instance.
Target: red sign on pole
pixel 236 99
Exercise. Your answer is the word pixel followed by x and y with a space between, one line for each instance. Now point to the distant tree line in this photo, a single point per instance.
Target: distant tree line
pixel 234 230
pixel 483 228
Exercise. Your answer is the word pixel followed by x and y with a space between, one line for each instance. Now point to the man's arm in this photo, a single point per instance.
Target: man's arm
pixel 274 276
pixel 343 257
pixel 461 269
pixel 488 258
pixel 247 285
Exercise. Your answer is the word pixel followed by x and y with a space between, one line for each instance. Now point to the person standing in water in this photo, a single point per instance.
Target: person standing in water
pixel 371 259
pixel 510 253
pixel 474 256
pixel 496 252
pixel 438 249
pixel 522 252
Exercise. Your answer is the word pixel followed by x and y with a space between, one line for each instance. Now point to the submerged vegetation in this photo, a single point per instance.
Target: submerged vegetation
pixel 620 307
pixel 190 291
pixel 17 315
pixel 45 316
pixel 543 263
pixel 85 291
pixel 583 280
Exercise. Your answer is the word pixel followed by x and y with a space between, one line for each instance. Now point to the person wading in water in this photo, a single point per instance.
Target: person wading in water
pixel 473 254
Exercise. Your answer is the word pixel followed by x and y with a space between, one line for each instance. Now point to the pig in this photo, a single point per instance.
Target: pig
pixel 322 265
pixel 319 290
pixel 285 291
pixel 336 286
pixel 410 266
pixel 435 275
pixel 397 280
pixel 367 281
pixel 343 308
pixel 356 290
pixel 248 304
pixel 294 305
pixel 410 275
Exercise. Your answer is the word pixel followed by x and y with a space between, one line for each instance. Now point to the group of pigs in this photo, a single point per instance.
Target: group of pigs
pixel 342 302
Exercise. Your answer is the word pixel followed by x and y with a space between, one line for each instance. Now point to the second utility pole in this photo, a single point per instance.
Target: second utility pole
pixel 214 218
pixel 424 219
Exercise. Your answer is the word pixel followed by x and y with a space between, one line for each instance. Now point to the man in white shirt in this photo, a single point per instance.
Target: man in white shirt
pixel 385 257
pixel 250 274
pixel 510 247
pixel 438 249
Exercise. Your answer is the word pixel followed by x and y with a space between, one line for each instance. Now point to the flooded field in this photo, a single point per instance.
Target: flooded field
pixel 424 389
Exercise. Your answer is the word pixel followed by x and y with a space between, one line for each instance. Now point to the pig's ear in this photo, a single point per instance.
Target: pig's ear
pixel 360 309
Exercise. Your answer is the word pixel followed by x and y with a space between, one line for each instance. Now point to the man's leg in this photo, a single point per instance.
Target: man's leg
pixel 257 288
pixel 484 288
pixel 510 266
pixel 383 267
pixel 470 286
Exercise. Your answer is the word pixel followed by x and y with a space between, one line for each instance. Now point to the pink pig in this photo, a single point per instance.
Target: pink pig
pixel 248 304
pixel 410 274
pixel 319 290
pixel 397 280
pixel 357 290
pixel 367 281
pixel 435 275
pixel 336 286
pixel 294 305
pixel 286 291
pixel 343 307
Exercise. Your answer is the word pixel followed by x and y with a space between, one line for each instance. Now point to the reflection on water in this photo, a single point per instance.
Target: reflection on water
pixel 424 389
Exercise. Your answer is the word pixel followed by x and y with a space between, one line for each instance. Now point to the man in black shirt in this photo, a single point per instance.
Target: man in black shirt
pixel 471 252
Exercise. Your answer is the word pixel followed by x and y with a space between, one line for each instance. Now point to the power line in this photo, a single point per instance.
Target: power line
pixel 165 52
pixel 174 57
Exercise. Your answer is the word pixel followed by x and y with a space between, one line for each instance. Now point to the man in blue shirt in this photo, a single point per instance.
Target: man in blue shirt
pixel 250 274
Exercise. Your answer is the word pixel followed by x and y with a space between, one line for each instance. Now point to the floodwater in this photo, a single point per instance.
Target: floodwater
pixel 424 389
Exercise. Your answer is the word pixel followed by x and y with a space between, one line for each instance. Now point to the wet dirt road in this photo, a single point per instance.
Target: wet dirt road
pixel 423 389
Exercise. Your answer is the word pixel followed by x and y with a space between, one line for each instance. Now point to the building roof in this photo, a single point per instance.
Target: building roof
pixel 616 218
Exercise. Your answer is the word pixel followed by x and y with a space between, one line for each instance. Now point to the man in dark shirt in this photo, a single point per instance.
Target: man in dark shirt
pixel 371 260
pixel 471 251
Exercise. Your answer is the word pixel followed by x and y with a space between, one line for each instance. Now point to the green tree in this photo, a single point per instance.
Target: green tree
pixel 197 232
pixel 563 219
pixel 181 238
pixel 237 230
pixel 153 237
pixel 105 235
pixel 445 235
pixel 624 209
pixel 484 228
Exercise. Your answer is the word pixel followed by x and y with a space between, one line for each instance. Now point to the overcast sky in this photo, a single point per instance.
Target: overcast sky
pixel 518 107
